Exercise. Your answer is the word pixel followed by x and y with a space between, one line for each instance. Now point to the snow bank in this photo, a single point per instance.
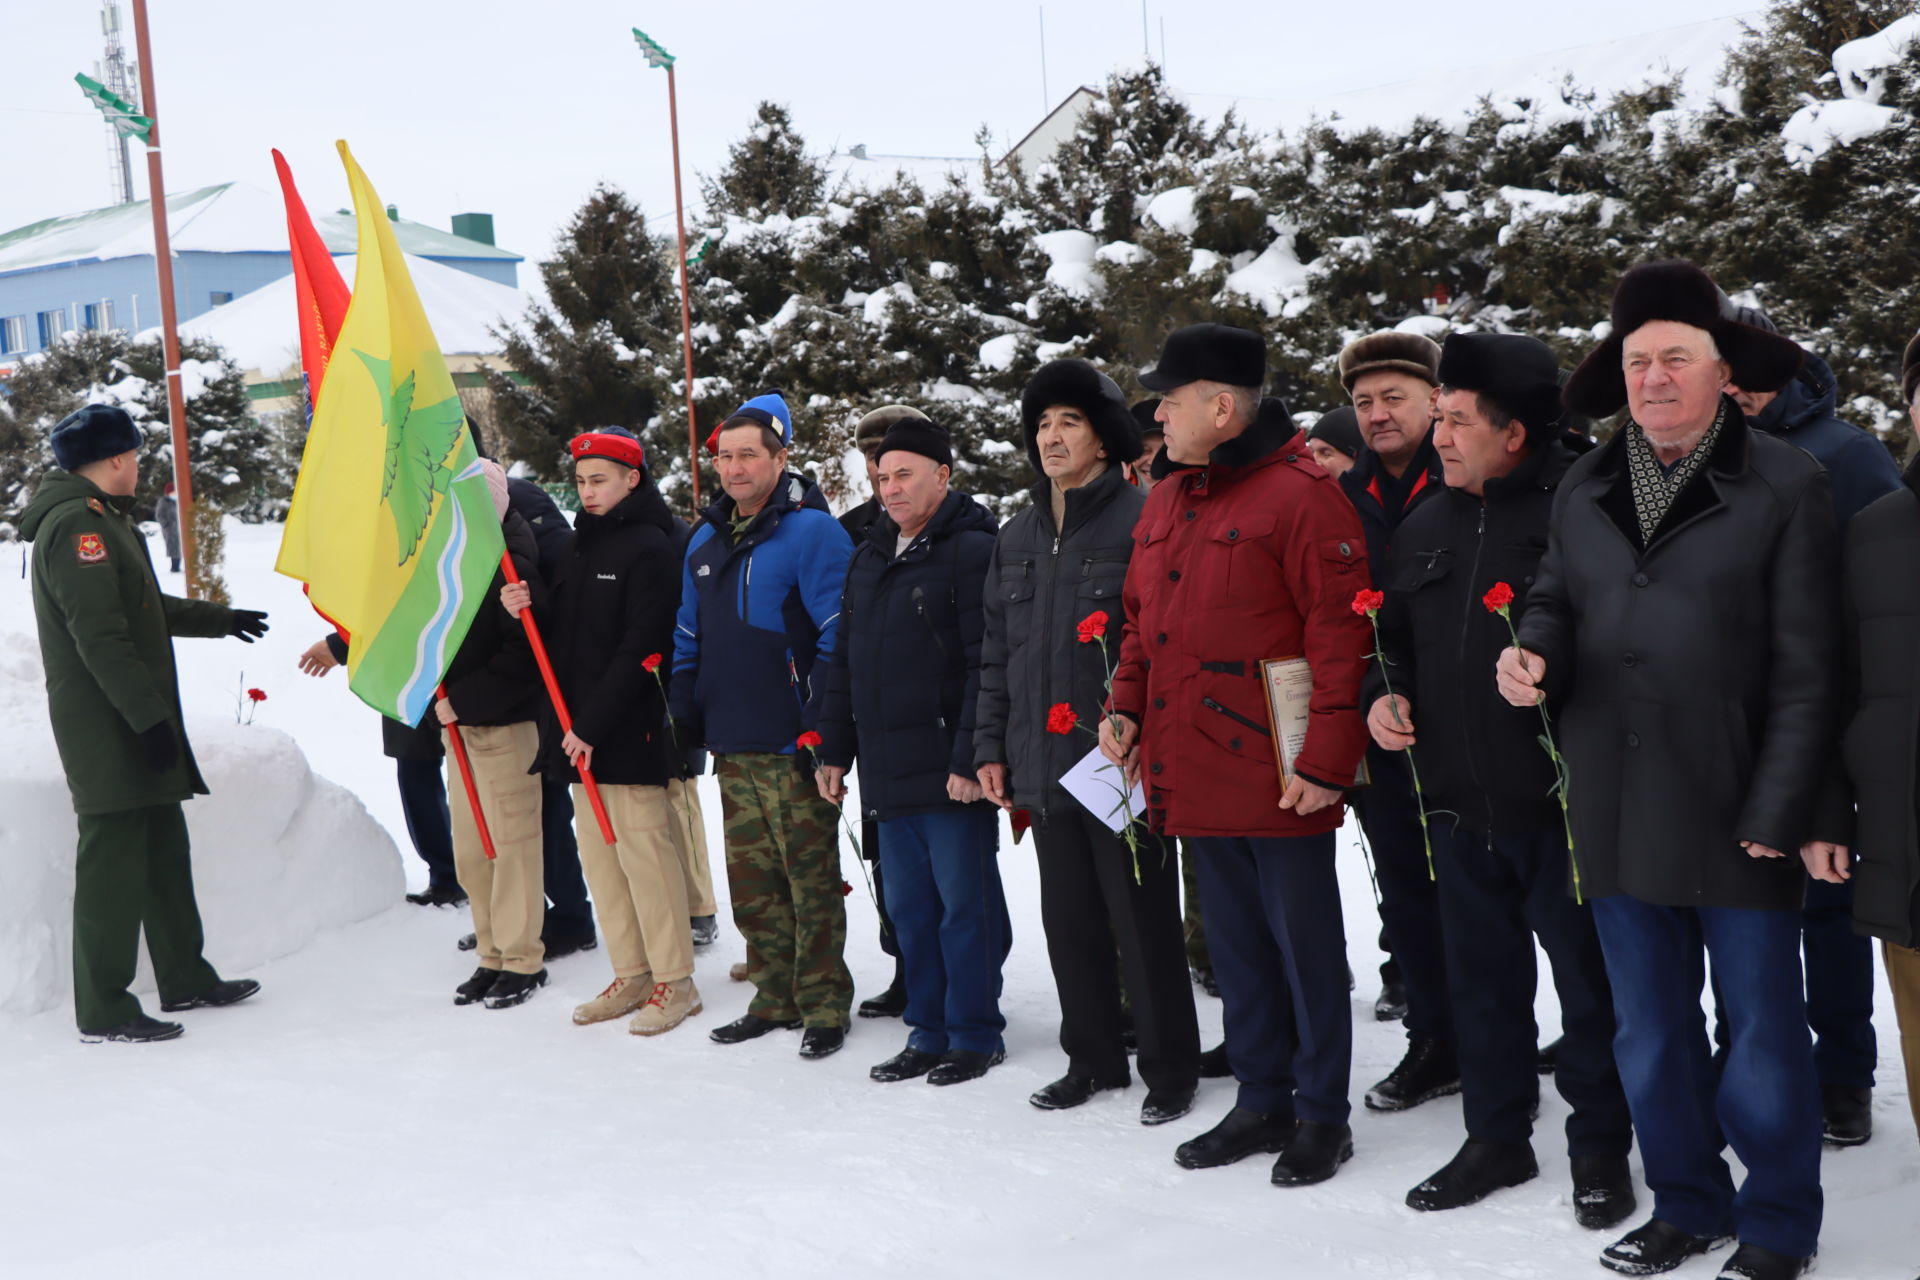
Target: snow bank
pixel 1276 281
pixel 1071 253
pixel 1861 63
pixel 279 854
pixel 1173 210
pixel 998 353
pixel 1819 127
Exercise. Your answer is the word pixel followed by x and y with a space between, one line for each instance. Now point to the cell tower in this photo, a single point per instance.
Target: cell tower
pixel 117 73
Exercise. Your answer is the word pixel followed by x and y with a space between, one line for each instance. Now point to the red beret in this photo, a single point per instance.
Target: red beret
pixel 615 447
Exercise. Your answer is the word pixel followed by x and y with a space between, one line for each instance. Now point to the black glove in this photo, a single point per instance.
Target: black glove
pixel 693 762
pixel 161 747
pixel 248 623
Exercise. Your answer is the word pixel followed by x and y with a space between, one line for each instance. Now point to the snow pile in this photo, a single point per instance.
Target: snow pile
pixel 999 353
pixel 1173 210
pixel 1276 281
pixel 278 854
pixel 1861 66
pixel 1072 253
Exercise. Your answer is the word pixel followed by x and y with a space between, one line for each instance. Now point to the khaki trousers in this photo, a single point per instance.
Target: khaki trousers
pixel 1903 976
pixel 690 842
pixel 508 893
pixel 640 886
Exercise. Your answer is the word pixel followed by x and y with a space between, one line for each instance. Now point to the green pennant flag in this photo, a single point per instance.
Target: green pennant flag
pixel 120 113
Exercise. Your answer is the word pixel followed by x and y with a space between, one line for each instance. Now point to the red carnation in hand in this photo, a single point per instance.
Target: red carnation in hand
pixel 256 695
pixel 1498 598
pixel 1060 718
pixel 650 663
pixel 1022 819
pixel 810 740
pixel 1367 603
pixel 1092 627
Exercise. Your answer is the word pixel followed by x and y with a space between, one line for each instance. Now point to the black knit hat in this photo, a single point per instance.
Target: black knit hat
pixel 92 434
pixel 1209 353
pixel 1143 414
pixel 928 439
pixel 1078 385
pixel 1683 293
pixel 1341 429
pixel 1518 373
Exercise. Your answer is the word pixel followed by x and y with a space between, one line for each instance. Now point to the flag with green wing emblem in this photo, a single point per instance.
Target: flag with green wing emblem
pixel 392 527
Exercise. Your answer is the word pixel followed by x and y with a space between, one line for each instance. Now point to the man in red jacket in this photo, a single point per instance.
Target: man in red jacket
pixel 1248 551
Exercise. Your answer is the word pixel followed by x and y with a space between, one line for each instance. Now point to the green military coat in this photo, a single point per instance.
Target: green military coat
pixel 106 639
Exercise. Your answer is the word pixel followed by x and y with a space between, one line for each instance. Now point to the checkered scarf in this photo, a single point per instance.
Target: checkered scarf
pixel 1654 486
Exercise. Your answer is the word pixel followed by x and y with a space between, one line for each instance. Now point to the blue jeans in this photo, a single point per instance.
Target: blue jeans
pixel 1272 906
pixel 949 913
pixel 423 799
pixel 1766 1103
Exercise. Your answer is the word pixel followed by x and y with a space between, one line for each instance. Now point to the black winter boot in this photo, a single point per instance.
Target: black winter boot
pixel 1427 1072
pixel 1071 1090
pixel 510 989
pixel 1239 1134
pixel 1751 1262
pixel 475 989
pixel 1847 1114
pixel 1602 1191
pixel 1315 1154
pixel 219 995
pixel 1476 1171
pixel 1655 1248
pixel 140 1030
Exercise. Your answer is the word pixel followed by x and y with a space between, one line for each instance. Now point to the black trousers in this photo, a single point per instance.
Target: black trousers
pixel 1088 903
pixel 1409 900
pixel 423 799
pixel 567 909
pixel 1496 894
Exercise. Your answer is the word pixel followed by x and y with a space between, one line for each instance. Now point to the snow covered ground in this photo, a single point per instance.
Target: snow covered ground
pixel 351 1119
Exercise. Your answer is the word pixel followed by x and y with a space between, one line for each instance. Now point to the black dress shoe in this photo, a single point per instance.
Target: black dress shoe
pixel 139 1030
pixel 1602 1191
pixel 1071 1090
pixel 890 1003
pixel 214 997
pixel 1847 1114
pixel 1213 1064
pixel 1547 1057
pixel 467 942
pixel 822 1042
pixel 475 989
pixel 750 1027
pixel 705 930
pixel 1751 1262
pixel 1655 1248
pixel 1163 1105
pixel 561 945
pixel 1315 1154
pixel 907 1064
pixel 510 989
pixel 1476 1171
pixel 1391 1004
pixel 957 1066
pixel 1203 978
pixel 1427 1072
pixel 438 895
pixel 1239 1134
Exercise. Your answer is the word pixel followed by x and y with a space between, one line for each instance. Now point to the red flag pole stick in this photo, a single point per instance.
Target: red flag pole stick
pixel 559 703
pixel 466 775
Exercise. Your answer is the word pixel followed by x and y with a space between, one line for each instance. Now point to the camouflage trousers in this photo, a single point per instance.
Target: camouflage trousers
pixel 783 870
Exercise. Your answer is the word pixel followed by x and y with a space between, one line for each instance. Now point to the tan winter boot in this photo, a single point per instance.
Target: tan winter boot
pixel 671 1004
pixel 622 997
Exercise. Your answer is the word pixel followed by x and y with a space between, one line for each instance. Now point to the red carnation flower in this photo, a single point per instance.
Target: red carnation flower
pixel 650 663
pixel 846 890
pixel 810 740
pixel 1498 598
pixel 1022 819
pixel 1060 718
pixel 1092 627
pixel 1367 603
pixel 256 695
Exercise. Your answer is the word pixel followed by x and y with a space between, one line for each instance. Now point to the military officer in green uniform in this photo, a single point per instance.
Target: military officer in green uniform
pixel 106 641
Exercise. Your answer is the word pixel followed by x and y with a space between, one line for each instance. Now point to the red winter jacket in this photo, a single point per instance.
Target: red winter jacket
pixel 1256 555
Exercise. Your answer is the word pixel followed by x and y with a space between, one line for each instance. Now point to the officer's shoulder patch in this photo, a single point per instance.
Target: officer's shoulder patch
pixel 89 548
pixel 96 506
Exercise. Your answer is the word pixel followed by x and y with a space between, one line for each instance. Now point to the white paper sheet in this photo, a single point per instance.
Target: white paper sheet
pixel 1095 782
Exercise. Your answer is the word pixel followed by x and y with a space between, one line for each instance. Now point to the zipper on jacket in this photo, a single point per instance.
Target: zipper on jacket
pixel 1466 625
pixel 1236 717
pixel 920 607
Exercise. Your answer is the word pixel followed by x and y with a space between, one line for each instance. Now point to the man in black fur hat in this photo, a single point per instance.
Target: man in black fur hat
pixel 1686 612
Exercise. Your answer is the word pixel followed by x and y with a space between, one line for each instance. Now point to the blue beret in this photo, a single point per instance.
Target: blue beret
pixel 92 434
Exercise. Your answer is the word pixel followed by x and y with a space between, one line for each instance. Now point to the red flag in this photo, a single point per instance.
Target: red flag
pixel 317 285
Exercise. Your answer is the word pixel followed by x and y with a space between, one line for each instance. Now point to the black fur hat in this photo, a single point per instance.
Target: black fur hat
pixel 1518 373
pixel 1681 292
pixel 93 433
pixel 1079 385
pixel 1910 368
pixel 1143 414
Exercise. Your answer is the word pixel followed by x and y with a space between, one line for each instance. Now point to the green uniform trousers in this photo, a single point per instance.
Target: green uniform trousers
pixel 134 873
pixel 783 869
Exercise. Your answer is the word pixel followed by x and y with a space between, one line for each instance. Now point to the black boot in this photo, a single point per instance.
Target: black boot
pixel 908 1064
pixel 891 1003
pixel 438 895
pixel 1163 1105
pixel 1203 978
pixel 139 1030
pixel 510 989
pixel 467 942
pixel 1071 1090
pixel 822 1042
pixel 957 1066
pixel 1239 1134
pixel 750 1027
pixel 475 989
pixel 705 930
pixel 1602 1191
pixel 1547 1057
pixel 1391 1004
pixel 1427 1072
pixel 1476 1171
pixel 1315 1154
pixel 1751 1262
pixel 566 942
pixel 214 997
pixel 1847 1114
pixel 1656 1247
pixel 1213 1064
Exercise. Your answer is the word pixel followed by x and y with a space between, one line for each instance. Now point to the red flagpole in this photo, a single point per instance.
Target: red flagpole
pixel 559 703
pixel 459 746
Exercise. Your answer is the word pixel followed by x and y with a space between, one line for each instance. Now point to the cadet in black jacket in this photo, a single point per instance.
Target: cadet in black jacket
pixel 1501 858
pixel 614 614
pixel 1058 562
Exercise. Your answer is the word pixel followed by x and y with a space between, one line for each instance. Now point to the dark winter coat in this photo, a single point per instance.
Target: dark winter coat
pixel 1479 756
pixel 551 531
pixel 1881 746
pixel 1254 555
pixel 1700 674
pixel 493 678
pixel 757 613
pixel 613 609
pixel 106 643
pixel 1383 502
pixel 1860 467
pixel 857 520
pixel 901 685
pixel 166 513
pixel 1041 583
